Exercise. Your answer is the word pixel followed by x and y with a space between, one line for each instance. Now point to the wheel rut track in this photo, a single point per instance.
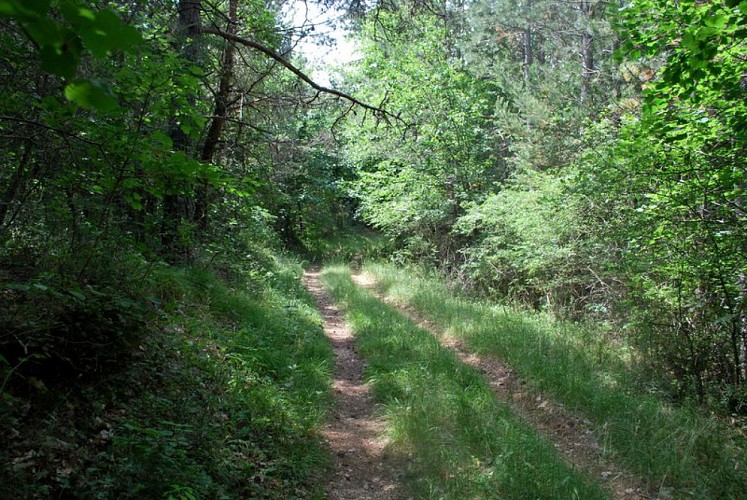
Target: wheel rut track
pixel 363 467
pixel 572 435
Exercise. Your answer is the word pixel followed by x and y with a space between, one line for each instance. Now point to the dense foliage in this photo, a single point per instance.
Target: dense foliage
pixel 544 161
pixel 149 343
pixel 122 141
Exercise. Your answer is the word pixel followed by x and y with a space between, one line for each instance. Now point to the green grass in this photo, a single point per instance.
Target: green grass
pixel 349 246
pixel 676 449
pixel 463 443
pixel 223 398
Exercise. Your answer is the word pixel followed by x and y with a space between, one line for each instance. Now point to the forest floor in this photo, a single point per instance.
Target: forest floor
pixel 356 437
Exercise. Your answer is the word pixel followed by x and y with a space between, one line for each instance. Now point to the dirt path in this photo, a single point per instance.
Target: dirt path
pixel 363 468
pixel 572 436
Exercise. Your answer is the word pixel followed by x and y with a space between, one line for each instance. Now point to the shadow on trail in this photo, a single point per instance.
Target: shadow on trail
pixel 462 441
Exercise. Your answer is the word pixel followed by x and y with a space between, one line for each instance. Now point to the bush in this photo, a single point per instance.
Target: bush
pixel 529 244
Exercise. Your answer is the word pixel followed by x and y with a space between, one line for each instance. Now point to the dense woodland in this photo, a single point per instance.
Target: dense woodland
pixel 581 158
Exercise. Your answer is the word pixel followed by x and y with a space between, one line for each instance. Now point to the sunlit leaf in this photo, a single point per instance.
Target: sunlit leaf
pixel 102 31
pixel 91 95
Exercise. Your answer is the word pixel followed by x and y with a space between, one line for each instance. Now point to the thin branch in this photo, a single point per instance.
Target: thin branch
pixel 343 115
pixel 377 111
pixel 63 133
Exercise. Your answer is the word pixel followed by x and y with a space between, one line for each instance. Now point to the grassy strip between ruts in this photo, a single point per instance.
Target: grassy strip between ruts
pixel 679 451
pixel 222 399
pixel 463 443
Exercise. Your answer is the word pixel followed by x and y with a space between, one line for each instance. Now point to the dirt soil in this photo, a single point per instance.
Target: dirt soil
pixel 364 469
pixel 572 435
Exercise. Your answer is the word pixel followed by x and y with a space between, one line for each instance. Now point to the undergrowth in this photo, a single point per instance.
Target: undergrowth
pixel 351 246
pixel 463 443
pixel 680 451
pixel 220 395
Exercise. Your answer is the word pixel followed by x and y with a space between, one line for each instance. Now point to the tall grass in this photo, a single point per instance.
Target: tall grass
pixel 462 441
pixel 248 391
pixel 676 449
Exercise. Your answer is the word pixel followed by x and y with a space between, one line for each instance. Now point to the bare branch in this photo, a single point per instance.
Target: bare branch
pixel 377 111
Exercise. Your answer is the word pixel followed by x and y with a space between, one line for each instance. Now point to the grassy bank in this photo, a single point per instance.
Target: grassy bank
pixel 463 443
pixel 220 397
pixel 679 451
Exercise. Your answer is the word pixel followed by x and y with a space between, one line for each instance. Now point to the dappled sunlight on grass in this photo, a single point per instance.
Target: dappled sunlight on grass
pixel 670 447
pixel 225 400
pixel 463 442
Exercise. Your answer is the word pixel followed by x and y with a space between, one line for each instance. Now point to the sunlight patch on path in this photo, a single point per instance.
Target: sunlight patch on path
pixel 363 468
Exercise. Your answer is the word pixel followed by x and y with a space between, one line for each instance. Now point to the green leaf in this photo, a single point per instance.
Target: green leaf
pixel 690 42
pixel 135 201
pixel 108 33
pixel 27 10
pixel 102 31
pixel 196 70
pixel 161 139
pixel 62 58
pixel 717 21
pixel 76 14
pixel 91 95
pixel 44 32
pixel 187 128
pixel 21 287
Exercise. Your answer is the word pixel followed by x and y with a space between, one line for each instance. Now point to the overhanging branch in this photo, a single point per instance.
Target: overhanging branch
pixel 377 111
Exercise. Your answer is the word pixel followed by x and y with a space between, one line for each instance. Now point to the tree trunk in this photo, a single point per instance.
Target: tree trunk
pixel 15 183
pixel 174 206
pixel 587 51
pixel 587 56
pixel 528 55
pixel 528 61
pixel 202 200
pixel 742 295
